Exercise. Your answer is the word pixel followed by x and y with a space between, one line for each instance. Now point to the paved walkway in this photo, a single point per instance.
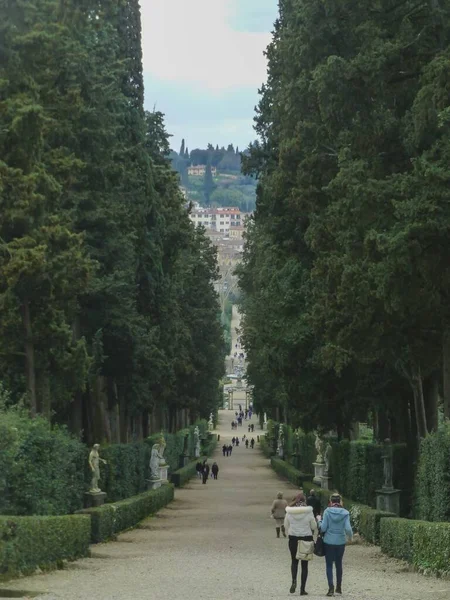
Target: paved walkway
pixel 216 541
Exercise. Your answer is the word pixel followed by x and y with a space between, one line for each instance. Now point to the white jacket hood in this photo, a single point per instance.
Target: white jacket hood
pixel 300 521
pixel 299 510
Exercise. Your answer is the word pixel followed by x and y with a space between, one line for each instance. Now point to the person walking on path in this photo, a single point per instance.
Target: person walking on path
pixel 314 501
pixel 246 444
pixel 215 470
pixel 252 443
pixel 230 449
pixel 205 471
pixel 225 449
pixel 278 512
pixel 237 441
pixel 300 525
pixel 199 469
pixel 336 529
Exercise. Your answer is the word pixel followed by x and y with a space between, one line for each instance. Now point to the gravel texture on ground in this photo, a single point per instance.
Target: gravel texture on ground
pixel 217 541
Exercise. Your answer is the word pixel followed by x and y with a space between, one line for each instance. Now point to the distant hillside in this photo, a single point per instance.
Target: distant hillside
pixel 227 187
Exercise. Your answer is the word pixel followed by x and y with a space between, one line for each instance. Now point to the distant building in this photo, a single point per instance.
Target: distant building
pixel 199 170
pixel 236 232
pixel 219 219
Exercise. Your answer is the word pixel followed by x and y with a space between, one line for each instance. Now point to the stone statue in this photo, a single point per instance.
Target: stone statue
pixel 161 449
pixel 388 465
pixel 211 422
pixel 280 447
pixel 197 441
pixel 296 441
pixel 94 463
pixel 319 449
pixel 265 418
pixel 327 457
pixel 154 462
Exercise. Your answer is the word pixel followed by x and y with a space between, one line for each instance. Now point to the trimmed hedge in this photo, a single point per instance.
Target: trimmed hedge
pixel 110 519
pixel 27 543
pixel 265 447
pixel 283 468
pixel 424 545
pixel 366 520
pixel 41 467
pixel 433 477
pixel 357 471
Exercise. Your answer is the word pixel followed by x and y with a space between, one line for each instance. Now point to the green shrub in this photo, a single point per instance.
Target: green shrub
pixel 286 470
pixel 110 519
pixel 41 467
pixel 30 542
pixel 433 477
pixel 180 477
pixel 265 447
pixel 425 545
pixel 307 451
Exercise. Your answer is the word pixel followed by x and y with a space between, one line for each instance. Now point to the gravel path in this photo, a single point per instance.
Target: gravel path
pixel 216 541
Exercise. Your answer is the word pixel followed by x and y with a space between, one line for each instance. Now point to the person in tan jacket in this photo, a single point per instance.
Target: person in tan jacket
pixel 278 511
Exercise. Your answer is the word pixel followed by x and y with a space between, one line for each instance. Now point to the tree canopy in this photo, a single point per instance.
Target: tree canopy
pixel 345 277
pixel 108 312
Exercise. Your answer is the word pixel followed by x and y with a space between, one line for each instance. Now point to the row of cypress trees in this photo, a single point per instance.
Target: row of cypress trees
pixel 108 316
pixel 346 269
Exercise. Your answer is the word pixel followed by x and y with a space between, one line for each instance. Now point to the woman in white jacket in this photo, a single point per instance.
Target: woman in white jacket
pixel 300 525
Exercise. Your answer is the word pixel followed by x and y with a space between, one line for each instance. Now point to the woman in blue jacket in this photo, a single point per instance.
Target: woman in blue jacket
pixel 336 529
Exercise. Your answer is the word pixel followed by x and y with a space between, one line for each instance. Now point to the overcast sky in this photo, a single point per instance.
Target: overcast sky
pixel 203 65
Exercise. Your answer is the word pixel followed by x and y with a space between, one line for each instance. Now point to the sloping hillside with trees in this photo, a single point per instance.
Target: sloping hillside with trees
pixel 227 187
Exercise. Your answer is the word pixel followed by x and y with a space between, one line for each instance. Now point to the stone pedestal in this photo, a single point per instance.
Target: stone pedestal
pixel 196 452
pixel 153 484
pixel 319 471
pixel 388 499
pixel 163 472
pixel 94 499
pixel 325 484
pixel 183 460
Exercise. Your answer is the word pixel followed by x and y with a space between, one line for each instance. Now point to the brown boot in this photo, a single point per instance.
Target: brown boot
pixel 283 531
pixel 278 532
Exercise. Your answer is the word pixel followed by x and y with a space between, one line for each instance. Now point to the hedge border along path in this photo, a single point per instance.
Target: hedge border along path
pixel 28 543
pixel 110 519
pixel 365 520
pixel 423 544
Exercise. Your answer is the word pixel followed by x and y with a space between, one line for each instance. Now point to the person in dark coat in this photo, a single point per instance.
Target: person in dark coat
pixel 224 449
pixel 215 470
pixel 205 471
pixel 237 441
pixel 252 443
pixel 199 469
pixel 314 501
pixel 230 449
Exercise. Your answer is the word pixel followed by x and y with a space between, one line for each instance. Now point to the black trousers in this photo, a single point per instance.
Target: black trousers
pixel 293 543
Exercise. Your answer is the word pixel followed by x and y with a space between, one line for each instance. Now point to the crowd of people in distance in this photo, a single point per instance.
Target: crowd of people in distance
pixel 302 521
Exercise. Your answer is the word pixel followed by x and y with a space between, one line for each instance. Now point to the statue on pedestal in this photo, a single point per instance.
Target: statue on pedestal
pixel 280 446
pixel 319 448
pixel 388 465
pixel 94 463
pixel 327 457
pixel 161 449
pixel 197 441
pixel 211 422
pixel 154 462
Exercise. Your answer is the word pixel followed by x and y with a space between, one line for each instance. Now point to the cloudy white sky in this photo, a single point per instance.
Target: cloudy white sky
pixel 203 65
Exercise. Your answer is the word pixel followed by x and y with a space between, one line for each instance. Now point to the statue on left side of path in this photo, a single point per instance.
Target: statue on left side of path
pixel 211 422
pixel 154 462
pixel 94 463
